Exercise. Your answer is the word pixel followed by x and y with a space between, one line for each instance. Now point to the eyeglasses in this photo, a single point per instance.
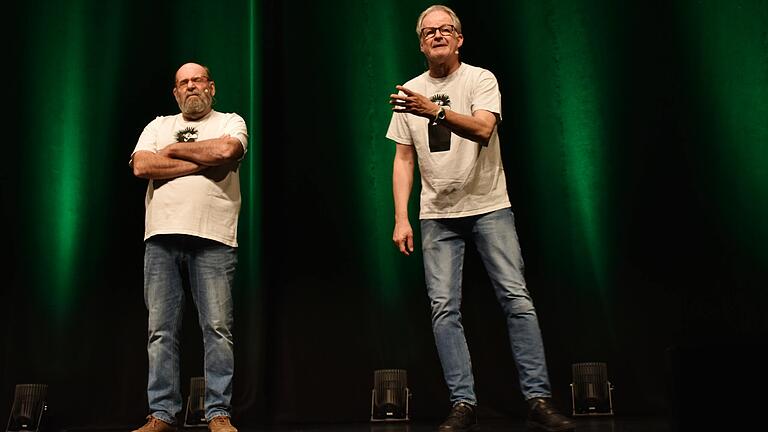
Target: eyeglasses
pixel 195 80
pixel 430 32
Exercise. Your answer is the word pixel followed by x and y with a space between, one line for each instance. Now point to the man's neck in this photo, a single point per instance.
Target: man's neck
pixel 442 70
pixel 195 117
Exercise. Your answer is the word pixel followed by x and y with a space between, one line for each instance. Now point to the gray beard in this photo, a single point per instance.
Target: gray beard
pixel 194 105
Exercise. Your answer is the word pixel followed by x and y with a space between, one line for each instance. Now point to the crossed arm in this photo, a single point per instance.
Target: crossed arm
pixel 180 159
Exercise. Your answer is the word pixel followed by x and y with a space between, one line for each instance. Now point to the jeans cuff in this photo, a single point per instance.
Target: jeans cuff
pixel 215 414
pixel 164 417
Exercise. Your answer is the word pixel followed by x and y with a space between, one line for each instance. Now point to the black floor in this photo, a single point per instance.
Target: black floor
pixel 583 424
pixel 602 424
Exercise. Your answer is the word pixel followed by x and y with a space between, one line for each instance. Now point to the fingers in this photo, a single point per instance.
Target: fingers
pixel 396 99
pixel 411 102
pixel 400 244
pixel 407 104
pixel 404 244
pixel 400 103
pixel 405 90
pixel 402 99
pixel 403 249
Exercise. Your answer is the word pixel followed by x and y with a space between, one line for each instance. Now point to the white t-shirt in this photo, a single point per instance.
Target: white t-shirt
pixel 205 204
pixel 459 177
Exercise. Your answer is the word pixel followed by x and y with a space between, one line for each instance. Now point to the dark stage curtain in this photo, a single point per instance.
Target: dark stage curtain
pixel 635 143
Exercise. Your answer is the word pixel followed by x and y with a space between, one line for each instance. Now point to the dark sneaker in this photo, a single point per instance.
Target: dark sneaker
pixel 154 424
pixel 461 418
pixel 221 424
pixel 544 417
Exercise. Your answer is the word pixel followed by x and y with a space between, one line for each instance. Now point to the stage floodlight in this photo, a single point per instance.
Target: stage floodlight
pixel 390 397
pixel 195 411
pixel 591 391
pixel 29 405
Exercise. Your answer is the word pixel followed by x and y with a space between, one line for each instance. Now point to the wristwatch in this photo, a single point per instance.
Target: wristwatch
pixel 440 116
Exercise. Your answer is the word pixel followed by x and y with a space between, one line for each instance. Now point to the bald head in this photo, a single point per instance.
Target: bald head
pixel 192 69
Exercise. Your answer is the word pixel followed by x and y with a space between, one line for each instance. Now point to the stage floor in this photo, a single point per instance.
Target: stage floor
pixel 594 424
pixel 583 424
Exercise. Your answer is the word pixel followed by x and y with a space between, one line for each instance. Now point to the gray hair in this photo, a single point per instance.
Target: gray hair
pixel 446 9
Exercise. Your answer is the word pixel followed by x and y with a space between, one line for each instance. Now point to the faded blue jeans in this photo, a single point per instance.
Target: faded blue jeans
pixel 494 235
pixel 210 269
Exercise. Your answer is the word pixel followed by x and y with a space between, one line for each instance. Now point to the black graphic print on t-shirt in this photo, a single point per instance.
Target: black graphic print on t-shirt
pixel 439 135
pixel 186 135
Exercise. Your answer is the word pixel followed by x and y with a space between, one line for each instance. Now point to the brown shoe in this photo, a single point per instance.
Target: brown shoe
pixel 462 418
pixel 154 424
pixel 221 424
pixel 543 416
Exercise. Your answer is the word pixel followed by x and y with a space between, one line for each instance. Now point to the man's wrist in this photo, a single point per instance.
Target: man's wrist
pixel 439 115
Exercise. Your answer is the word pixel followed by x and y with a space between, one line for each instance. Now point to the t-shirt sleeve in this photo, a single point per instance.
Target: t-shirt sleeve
pixel 148 138
pixel 236 127
pixel 398 129
pixel 486 95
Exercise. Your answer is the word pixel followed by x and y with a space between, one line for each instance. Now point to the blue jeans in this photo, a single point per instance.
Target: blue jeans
pixel 210 267
pixel 494 235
